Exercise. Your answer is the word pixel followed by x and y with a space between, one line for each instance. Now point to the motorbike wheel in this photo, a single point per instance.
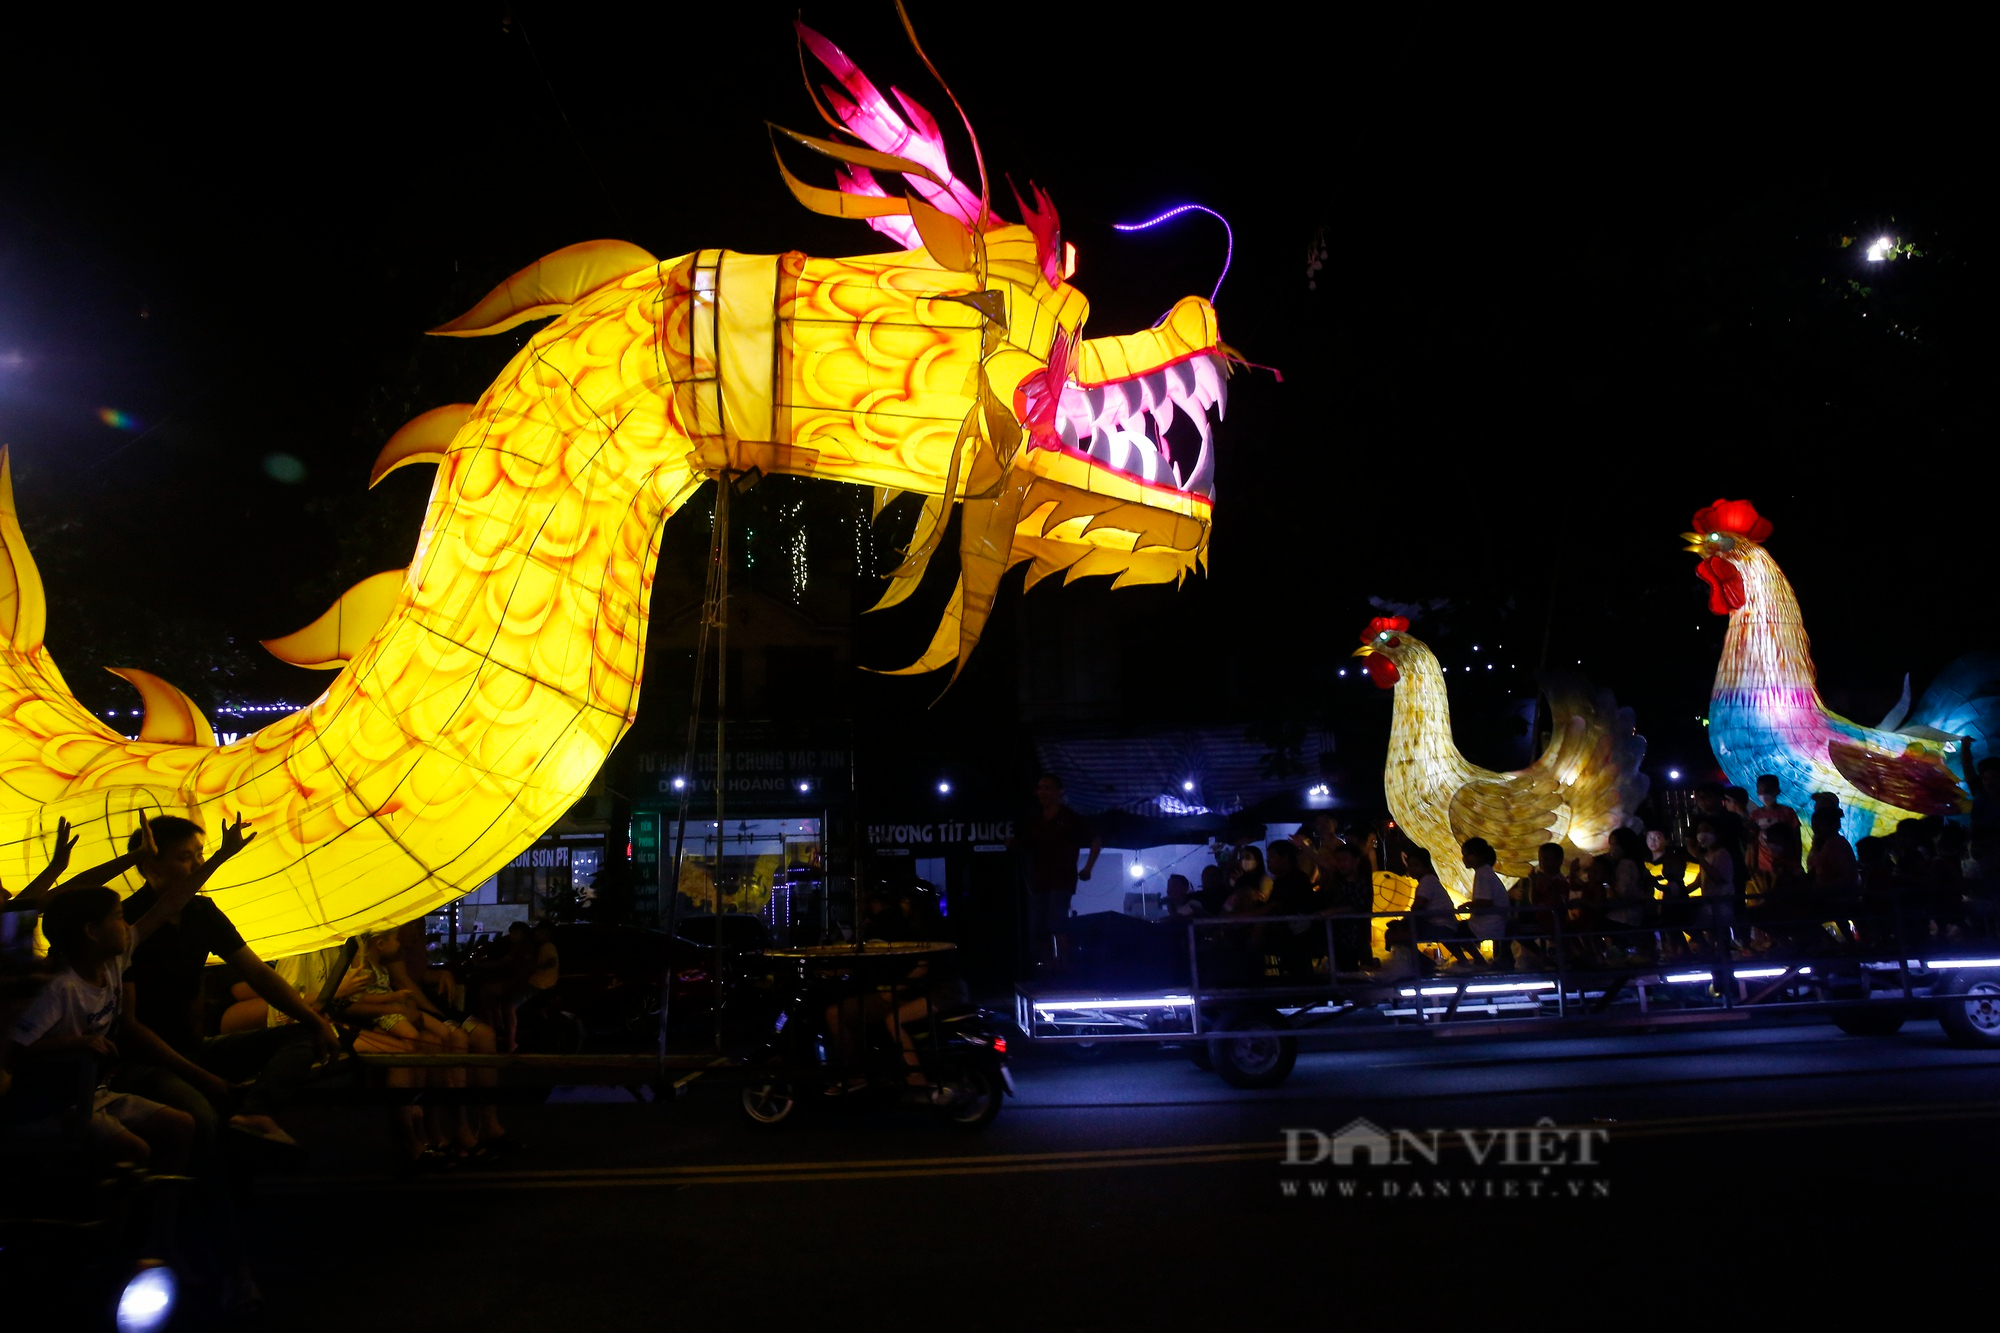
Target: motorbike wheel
pixel 1254 1053
pixel 769 1100
pixel 969 1097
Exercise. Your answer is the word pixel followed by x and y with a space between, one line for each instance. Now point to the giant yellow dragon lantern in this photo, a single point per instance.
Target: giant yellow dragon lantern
pixel 479 690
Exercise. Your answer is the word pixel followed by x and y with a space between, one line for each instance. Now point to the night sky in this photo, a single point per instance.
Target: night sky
pixel 1577 284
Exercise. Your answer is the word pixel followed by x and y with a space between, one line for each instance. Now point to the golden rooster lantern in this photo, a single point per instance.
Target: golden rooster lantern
pixel 1586 783
pixel 1765 714
pixel 480 689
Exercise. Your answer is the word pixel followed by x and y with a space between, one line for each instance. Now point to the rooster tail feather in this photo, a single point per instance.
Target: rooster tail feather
pixel 1964 700
pixel 1594 754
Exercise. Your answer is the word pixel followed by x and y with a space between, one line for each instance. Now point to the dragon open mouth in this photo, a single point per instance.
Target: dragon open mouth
pixel 1152 427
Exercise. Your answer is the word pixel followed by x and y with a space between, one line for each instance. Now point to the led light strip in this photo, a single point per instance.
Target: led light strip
pixel 1073 1006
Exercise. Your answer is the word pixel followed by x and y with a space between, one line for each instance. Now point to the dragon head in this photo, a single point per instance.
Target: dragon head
pixel 1073 454
pixel 1724 533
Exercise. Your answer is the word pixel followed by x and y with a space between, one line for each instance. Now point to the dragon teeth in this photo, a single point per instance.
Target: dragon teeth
pixel 1113 418
pixel 1093 402
pixel 1202 480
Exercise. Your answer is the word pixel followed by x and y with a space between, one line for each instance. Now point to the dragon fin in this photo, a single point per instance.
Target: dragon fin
pixel 903 580
pixel 329 642
pixel 944 644
pixel 171 717
pixel 836 203
pixel 24 609
pixel 548 286
pixel 923 538
pixel 901 585
pixel 986 552
pixel 421 439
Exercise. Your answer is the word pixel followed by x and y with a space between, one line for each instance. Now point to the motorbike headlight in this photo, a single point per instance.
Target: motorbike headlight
pixel 147 1302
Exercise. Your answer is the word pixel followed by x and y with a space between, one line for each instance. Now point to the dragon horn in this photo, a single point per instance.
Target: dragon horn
pixel 549 286
pixel 24 608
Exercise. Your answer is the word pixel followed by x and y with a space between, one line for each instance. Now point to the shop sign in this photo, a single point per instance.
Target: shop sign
pixel 978 835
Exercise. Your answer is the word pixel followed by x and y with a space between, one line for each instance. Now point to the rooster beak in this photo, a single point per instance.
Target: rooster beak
pixel 1365 650
pixel 1694 543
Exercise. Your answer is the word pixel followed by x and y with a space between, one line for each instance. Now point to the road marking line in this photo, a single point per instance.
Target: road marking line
pixel 1087 1156
pixel 1264 1150
pixel 612 1178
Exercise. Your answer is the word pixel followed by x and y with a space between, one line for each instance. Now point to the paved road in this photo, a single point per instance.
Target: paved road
pixel 1137 1191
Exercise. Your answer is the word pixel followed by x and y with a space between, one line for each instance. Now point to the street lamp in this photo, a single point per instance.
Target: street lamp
pixel 944 788
pixel 1882 248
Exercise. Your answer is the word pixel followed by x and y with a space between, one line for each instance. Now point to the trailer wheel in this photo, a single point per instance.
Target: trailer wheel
pixel 1973 1020
pixel 1254 1052
pixel 1867 1023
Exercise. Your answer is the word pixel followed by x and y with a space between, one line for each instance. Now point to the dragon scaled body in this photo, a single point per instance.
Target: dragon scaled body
pixel 479 691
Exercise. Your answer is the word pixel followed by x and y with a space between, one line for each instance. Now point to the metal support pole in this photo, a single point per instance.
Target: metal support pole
pixel 1194 978
pixel 722 490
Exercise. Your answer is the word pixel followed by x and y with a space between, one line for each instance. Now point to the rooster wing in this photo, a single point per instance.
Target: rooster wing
pixel 1516 812
pixel 1586 783
pixel 1914 781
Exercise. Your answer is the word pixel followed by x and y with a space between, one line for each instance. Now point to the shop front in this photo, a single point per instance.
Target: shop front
pixel 969 863
pixel 781 849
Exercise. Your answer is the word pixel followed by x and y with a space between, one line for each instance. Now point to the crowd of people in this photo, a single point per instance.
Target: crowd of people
pixel 106 1047
pixel 1739 875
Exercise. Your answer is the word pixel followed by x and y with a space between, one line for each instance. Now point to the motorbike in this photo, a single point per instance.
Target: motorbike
pixel 961 1052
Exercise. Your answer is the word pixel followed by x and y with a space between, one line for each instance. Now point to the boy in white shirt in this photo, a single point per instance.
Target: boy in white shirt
pixel 79 1010
pixel 82 1006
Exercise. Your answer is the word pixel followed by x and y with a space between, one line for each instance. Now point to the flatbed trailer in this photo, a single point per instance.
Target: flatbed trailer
pixel 1250 1030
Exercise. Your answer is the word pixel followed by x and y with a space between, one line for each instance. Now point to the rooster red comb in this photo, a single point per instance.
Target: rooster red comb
pixel 1738 518
pixel 1393 624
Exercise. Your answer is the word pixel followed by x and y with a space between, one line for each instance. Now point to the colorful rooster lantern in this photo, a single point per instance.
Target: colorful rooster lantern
pixel 480 689
pixel 1765 714
pixel 1585 784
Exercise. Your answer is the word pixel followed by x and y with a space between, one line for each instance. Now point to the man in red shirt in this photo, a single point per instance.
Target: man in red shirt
pixel 1054 837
